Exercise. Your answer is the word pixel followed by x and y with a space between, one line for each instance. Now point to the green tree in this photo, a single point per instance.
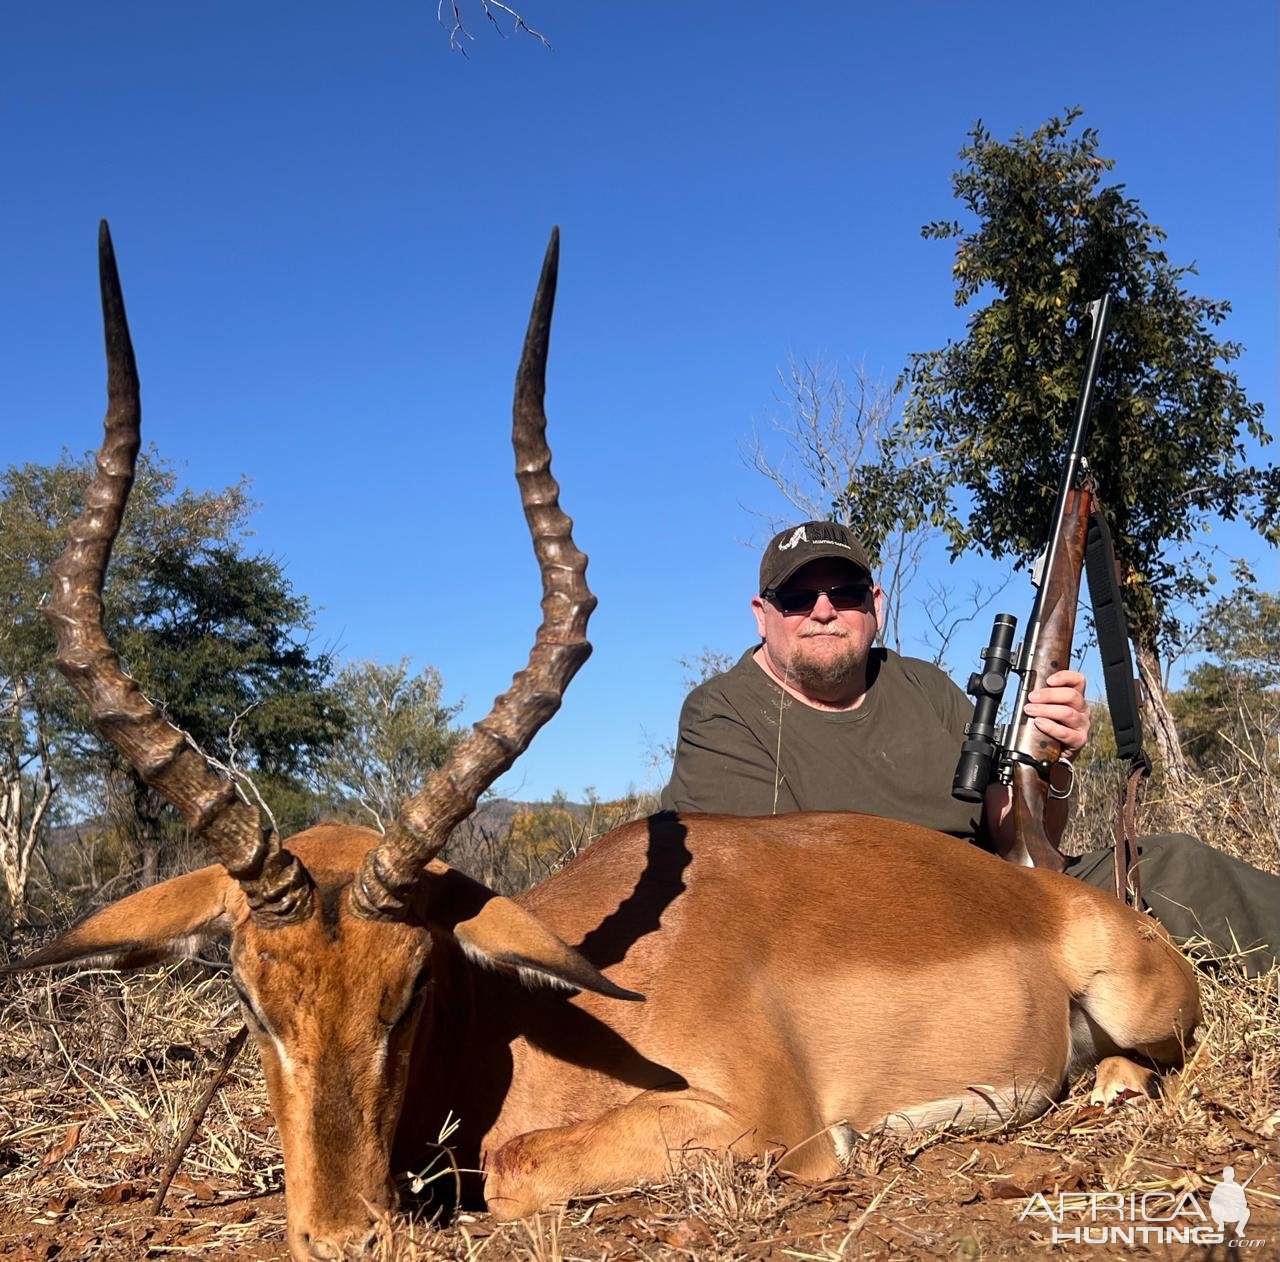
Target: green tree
pixel 220 637
pixel 29 702
pixel 1045 235
pixel 1230 703
pixel 1244 630
pixel 543 834
pixel 215 635
pixel 398 731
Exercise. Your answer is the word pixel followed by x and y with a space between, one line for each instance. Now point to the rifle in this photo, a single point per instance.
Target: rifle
pixel 1023 757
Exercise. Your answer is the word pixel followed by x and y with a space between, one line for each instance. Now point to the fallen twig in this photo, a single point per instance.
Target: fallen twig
pixel 202 1107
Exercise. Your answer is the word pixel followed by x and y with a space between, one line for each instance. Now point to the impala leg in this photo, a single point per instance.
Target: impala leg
pixel 1147 1001
pixel 1117 1074
pixel 640 1141
pixel 1139 1007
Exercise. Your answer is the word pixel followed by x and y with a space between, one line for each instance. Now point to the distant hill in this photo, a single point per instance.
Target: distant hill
pixel 494 815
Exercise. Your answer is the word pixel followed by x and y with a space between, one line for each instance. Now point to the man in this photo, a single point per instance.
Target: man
pixel 816 718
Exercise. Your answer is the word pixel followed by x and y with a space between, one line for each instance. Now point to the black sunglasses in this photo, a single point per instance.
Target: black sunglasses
pixel 802 600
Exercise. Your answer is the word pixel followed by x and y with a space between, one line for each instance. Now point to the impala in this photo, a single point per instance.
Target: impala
pixel 803 977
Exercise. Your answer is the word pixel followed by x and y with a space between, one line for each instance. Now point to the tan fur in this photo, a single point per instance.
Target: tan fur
pixel 1117 1074
pixel 806 977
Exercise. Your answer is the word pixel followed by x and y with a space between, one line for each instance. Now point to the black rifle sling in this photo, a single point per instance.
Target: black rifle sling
pixel 1113 637
pixel 1122 698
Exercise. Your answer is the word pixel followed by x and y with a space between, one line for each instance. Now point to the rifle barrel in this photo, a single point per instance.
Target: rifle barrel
pixel 1100 311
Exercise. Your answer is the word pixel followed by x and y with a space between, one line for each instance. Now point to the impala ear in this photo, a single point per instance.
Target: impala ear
pixel 163 922
pixel 505 936
pixel 500 934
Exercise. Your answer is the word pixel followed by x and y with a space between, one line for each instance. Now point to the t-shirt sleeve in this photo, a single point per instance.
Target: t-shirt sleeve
pixel 950 703
pixel 957 710
pixel 720 766
pixel 954 708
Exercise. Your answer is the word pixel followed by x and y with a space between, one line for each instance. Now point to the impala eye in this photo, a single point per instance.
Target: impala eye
pixel 413 1002
pixel 249 1010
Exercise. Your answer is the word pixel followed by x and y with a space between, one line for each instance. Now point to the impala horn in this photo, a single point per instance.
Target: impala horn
pixel 392 871
pixel 276 884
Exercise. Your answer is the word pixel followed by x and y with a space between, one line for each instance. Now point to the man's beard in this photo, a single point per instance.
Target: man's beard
pixel 817 674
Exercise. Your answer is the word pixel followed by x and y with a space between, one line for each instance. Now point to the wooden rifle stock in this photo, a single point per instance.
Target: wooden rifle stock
pixel 1034 757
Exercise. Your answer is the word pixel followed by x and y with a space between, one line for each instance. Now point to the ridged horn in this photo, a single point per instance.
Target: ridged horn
pixel 274 881
pixel 391 871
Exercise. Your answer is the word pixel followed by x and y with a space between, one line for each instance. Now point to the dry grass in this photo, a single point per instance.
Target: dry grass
pixel 99 1073
pixel 1236 806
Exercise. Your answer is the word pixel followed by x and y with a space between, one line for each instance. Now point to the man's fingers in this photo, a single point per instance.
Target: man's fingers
pixel 1060 713
pixel 1059 709
pixel 1066 679
pixel 1070 737
pixel 1059 696
pixel 1065 722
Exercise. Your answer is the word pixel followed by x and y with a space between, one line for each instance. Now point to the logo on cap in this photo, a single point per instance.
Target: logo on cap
pixel 800 535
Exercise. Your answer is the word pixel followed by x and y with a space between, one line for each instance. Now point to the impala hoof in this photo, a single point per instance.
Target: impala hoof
pixel 1118 1076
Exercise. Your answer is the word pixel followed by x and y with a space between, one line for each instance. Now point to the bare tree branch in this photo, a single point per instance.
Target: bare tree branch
pixel 449 15
pixel 243 780
pixel 846 457
pixel 27 787
pixel 945 621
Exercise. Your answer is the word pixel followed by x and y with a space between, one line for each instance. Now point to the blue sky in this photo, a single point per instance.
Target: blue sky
pixel 329 226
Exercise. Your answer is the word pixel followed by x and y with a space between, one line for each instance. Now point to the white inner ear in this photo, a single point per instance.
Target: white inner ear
pixel 529 974
pixel 104 959
pixel 184 947
pixel 142 954
pixel 194 943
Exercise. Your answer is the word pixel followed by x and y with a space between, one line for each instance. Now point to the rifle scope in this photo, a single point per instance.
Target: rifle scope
pixel 978 753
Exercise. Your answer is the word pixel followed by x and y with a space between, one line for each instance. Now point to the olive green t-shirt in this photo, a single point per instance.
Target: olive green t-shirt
pixel 747 748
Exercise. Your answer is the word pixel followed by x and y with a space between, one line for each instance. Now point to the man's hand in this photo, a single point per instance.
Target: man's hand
pixel 1060 710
